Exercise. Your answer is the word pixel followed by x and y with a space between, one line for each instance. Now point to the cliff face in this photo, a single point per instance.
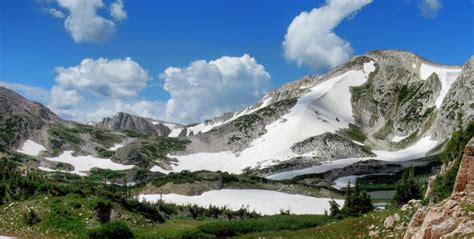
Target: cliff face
pixel 453 217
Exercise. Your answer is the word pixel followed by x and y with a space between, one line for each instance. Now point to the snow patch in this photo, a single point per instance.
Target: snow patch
pixel 262 201
pixel 84 164
pixel 203 127
pixel 116 146
pixel 447 76
pixel 418 150
pixel 31 148
pixel 397 139
pixel 175 132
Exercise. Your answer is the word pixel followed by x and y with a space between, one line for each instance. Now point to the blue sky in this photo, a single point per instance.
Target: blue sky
pixel 157 35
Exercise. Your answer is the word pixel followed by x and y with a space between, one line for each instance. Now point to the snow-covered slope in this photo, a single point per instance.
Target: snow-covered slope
pixel 447 76
pixel 384 102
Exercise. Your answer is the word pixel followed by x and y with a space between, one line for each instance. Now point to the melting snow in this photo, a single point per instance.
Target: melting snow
pixel 263 201
pixel 447 76
pixel 116 146
pixel 203 127
pixel 397 139
pixel 418 150
pixel 31 148
pixel 83 164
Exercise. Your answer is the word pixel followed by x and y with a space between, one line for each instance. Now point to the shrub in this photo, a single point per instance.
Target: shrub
pixel 30 217
pixel 112 230
pixel 103 209
pixel 269 223
pixel 62 218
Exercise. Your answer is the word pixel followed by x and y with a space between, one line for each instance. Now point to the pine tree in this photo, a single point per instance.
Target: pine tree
pixel 334 209
pixel 407 188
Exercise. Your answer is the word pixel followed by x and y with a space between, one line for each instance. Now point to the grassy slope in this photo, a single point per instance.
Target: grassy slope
pixel 346 228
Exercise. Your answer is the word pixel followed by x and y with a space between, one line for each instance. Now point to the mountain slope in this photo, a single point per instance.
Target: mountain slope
pixel 140 124
pixel 382 105
pixel 21 118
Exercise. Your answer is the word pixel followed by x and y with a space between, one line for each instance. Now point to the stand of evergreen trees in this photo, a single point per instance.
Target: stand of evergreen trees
pixel 407 188
pixel 357 202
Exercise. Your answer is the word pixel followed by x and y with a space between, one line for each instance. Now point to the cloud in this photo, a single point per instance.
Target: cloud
pixel 115 78
pixel 429 8
pixel 95 109
pixel 117 10
pixel 32 92
pixel 55 13
pixel 206 89
pixel 82 20
pixel 98 88
pixel 310 39
pixel 63 99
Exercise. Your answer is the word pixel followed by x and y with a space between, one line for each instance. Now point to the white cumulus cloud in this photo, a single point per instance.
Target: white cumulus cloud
pixel 117 10
pixel 310 39
pixel 429 8
pixel 83 22
pixel 98 88
pixel 206 89
pixel 111 78
pixel 55 13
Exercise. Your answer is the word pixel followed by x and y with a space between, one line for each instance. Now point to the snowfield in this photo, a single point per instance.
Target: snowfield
pixel 31 148
pixel 447 75
pixel 205 127
pixel 418 150
pixel 83 164
pixel 262 201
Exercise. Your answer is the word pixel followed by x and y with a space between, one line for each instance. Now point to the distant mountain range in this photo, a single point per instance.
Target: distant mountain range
pixel 386 105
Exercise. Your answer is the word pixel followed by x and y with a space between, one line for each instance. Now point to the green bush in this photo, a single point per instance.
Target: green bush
pixel 103 209
pixel 62 218
pixel 112 230
pixel 30 217
pixel 269 223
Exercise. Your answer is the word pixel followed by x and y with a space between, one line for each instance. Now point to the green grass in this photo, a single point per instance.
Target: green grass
pixel 354 132
pixel 359 91
pixel 105 153
pixel 268 223
pixel 170 229
pixel 353 227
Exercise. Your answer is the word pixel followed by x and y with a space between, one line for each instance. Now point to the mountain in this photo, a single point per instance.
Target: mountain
pixel 21 118
pixel 387 105
pixel 140 124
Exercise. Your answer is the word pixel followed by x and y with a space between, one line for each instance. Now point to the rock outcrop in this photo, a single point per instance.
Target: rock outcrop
pixel 140 124
pixel 453 217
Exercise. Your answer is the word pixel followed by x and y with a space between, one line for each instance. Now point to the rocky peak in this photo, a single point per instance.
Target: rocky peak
pixel 13 103
pixel 124 120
